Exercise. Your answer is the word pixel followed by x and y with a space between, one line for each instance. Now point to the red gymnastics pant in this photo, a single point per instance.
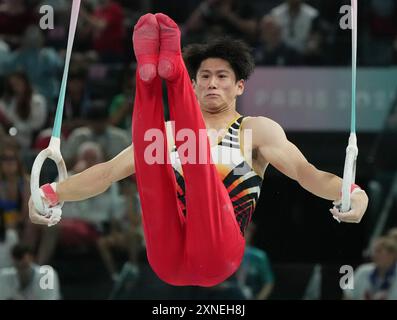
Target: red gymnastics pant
pixel 206 246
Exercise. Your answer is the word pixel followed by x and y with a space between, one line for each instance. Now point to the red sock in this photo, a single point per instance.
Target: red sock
pixel 170 48
pixel 146 46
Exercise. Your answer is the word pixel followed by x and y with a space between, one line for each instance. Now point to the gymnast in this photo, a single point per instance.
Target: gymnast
pixel 196 200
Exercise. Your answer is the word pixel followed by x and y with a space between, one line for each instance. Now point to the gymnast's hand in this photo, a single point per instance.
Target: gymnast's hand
pixel 52 210
pixel 359 204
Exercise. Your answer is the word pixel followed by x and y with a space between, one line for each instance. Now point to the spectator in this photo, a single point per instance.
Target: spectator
pixel 22 109
pixel 8 213
pixel 15 17
pixel 83 222
pixel 125 234
pixel 377 280
pixel 77 101
pixel 41 64
pixel 107 29
pixel 122 104
pixel 214 18
pixel 296 20
pixel 14 196
pixel 255 275
pixel 382 32
pixel 24 281
pixel 111 139
pixel 14 187
pixel 8 238
pixel 271 50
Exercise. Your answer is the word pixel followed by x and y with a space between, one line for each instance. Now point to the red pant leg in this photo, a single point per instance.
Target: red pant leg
pixel 214 244
pixel 163 221
pixel 206 247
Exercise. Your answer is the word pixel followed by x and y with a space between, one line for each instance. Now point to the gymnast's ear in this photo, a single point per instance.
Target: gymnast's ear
pixel 194 84
pixel 240 87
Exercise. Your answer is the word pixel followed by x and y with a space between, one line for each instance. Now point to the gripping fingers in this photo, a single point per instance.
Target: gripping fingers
pixel 50 217
pixel 350 216
pixel 38 218
pixel 335 211
pixel 55 214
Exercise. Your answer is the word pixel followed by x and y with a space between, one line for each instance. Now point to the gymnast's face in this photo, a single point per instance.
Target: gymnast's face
pixel 216 86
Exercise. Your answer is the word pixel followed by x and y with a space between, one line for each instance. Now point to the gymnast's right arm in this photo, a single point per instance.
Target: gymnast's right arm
pixel 98 178
pixel 89 183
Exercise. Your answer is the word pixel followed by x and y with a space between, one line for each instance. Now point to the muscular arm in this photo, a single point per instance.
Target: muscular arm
pixel 98 178
pixel 269 138
pixel 274 148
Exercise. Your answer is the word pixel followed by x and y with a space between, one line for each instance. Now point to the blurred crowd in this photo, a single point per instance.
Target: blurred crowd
pixel 281 33
pixel 97 124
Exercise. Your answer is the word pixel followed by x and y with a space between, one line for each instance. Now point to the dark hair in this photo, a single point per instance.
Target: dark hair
pixel 236 52
pixel 20 250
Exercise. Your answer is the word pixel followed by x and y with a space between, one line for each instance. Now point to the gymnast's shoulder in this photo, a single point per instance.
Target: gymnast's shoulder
pixel 262 128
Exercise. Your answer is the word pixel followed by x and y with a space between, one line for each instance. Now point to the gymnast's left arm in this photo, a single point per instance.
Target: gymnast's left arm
pixel 271 142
